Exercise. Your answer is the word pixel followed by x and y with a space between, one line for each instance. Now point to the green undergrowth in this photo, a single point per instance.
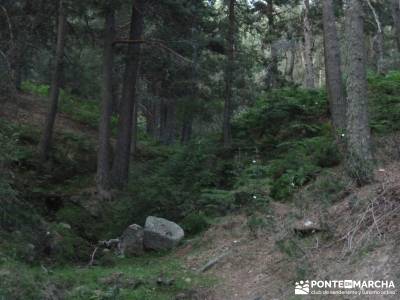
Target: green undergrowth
pixel 80 110
pixel 134 278
pixel 384 95
pixel 283 150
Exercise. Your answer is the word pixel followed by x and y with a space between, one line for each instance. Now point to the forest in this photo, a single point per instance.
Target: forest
pixel 199 149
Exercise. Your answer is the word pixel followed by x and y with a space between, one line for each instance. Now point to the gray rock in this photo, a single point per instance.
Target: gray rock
pixel 131 241
pixel 161 234
pixel 307 226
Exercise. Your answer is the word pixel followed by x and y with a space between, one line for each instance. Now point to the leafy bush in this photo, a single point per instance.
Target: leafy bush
pixel 195 223
pixel 384 95
pixel 35 88
pixel 281 115
pixel 81 110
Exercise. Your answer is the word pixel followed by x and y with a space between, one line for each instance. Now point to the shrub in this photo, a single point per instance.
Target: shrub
pixel 195 223
pixel 384 96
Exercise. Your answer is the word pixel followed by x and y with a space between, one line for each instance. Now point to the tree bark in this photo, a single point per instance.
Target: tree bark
pixel 120 168
pixel 167 121
pixel 359 154
pixel 337 100
pixel 45 142
pixel 272 72
pixel 308 59
pixel 163 120
pixel 291 62
pixel 150 116
pixel 378 41
pixel 187 129
pixel 103 155
pixel 135 127
pixel 226 126
pixel 395 7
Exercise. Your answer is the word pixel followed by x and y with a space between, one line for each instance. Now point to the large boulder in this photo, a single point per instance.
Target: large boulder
pixel 131 241
pixel 161 234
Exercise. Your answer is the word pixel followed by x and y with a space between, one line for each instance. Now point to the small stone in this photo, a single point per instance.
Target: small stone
pixel 131 241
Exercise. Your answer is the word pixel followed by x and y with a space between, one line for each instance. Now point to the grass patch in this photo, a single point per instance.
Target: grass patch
pixel 23 282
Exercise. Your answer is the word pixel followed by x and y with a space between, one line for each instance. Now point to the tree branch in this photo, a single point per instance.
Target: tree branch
pixel 155 43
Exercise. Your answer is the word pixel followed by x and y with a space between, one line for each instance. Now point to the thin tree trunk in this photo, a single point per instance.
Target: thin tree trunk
pixel 187 129
pixel 150 115
pixel 272 72
pixel 135 127
pixel 292 58
pixel 227 131
pixel 103 155
pixel 163 120
pixel 167 121
pixel 359 154
pixel 45 142
pixel 308 59
pixel 171 122
pixel 333 72
pixel 395 5
pixel 187 125
pixel 378 41
pixel 120 168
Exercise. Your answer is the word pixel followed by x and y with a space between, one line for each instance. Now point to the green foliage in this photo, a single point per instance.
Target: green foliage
pixel 217 202
pixel 67 245
pixel 172 181
pixel 282 115
pixel 195 223
pixel 290 246
pixel 8 141
pixel 326 189
pixel 18 281
pixel 289 125
pixel 81 110
pixel 38 89
pixel 384 94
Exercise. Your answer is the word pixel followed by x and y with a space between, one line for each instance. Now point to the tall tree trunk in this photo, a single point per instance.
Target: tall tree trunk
pixel 291 62
pixel 171 122
pixel 163 120
pixel 167 121
pixel 187 123
pixel 308 59
pixel 378 41
pixel 45 142
pixel 359 154
pixel 103 155
pixel 272 72
pixel 226 126
pixel 395 5
pixel 135 127
pixel 150 114
pixel 337 100
pixel 187 129
pixel 120 168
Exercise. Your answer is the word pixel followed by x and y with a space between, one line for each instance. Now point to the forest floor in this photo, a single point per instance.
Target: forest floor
pixel 358 239
pixel 29 109
pixel 259 257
